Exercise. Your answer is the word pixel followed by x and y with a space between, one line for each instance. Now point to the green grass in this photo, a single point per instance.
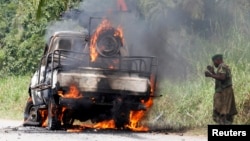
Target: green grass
pixel 189 103
pixel 13 96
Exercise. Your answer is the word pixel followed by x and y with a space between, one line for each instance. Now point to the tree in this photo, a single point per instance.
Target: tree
pixel 22 35
pixel 43 3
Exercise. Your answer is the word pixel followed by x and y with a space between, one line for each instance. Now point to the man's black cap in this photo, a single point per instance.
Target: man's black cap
pixel 217 56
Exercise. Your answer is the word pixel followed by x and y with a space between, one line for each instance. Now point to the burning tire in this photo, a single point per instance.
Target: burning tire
pixel 121 118
pixel 108 44
pixel 120 113
pixel 31 115
pixel 53 112
pixel 67 119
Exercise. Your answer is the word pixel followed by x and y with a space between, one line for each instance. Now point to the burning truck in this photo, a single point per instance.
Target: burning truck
pixel 91 77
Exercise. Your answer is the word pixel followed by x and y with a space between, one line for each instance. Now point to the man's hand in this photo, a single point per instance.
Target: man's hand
pixel 208 74
pixel 210 69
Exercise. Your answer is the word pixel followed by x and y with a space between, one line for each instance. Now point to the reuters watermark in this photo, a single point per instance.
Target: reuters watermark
pixel 240 132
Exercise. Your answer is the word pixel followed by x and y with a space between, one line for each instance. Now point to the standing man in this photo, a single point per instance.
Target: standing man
pixel 224 107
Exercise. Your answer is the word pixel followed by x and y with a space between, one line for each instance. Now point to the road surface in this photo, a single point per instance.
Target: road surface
pixel 14 131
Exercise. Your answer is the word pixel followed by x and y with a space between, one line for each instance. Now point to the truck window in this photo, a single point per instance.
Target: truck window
pixel 64 44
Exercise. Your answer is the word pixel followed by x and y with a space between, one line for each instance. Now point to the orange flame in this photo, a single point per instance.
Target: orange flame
pixel 72 93
pixel 136 116
pixel 104 25
pixel 107 124
pixel 119 33
pixel 44 116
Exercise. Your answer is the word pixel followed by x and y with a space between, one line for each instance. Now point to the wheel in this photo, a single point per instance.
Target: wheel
pixel 107 43
pixel 32 116
pixel 120 113
pixel 67 119
pixel 53 112
pixel 121 119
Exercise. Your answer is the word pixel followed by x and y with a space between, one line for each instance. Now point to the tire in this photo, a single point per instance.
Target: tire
pixel 53 121
pixel 67 119
pixel 108 45
pixel 122 119
pixel 32 116
pixel 120 114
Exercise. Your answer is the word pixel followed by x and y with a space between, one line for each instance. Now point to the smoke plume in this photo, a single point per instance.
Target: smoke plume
pixel 141 37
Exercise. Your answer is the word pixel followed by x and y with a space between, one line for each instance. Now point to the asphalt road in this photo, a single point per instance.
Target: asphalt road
pixel 14 131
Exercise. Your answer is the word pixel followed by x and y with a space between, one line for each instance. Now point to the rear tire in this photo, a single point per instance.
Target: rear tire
pixel 120 113
pixel 53 112
pixel 32 116
pixel 67 119
pixel 122 119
